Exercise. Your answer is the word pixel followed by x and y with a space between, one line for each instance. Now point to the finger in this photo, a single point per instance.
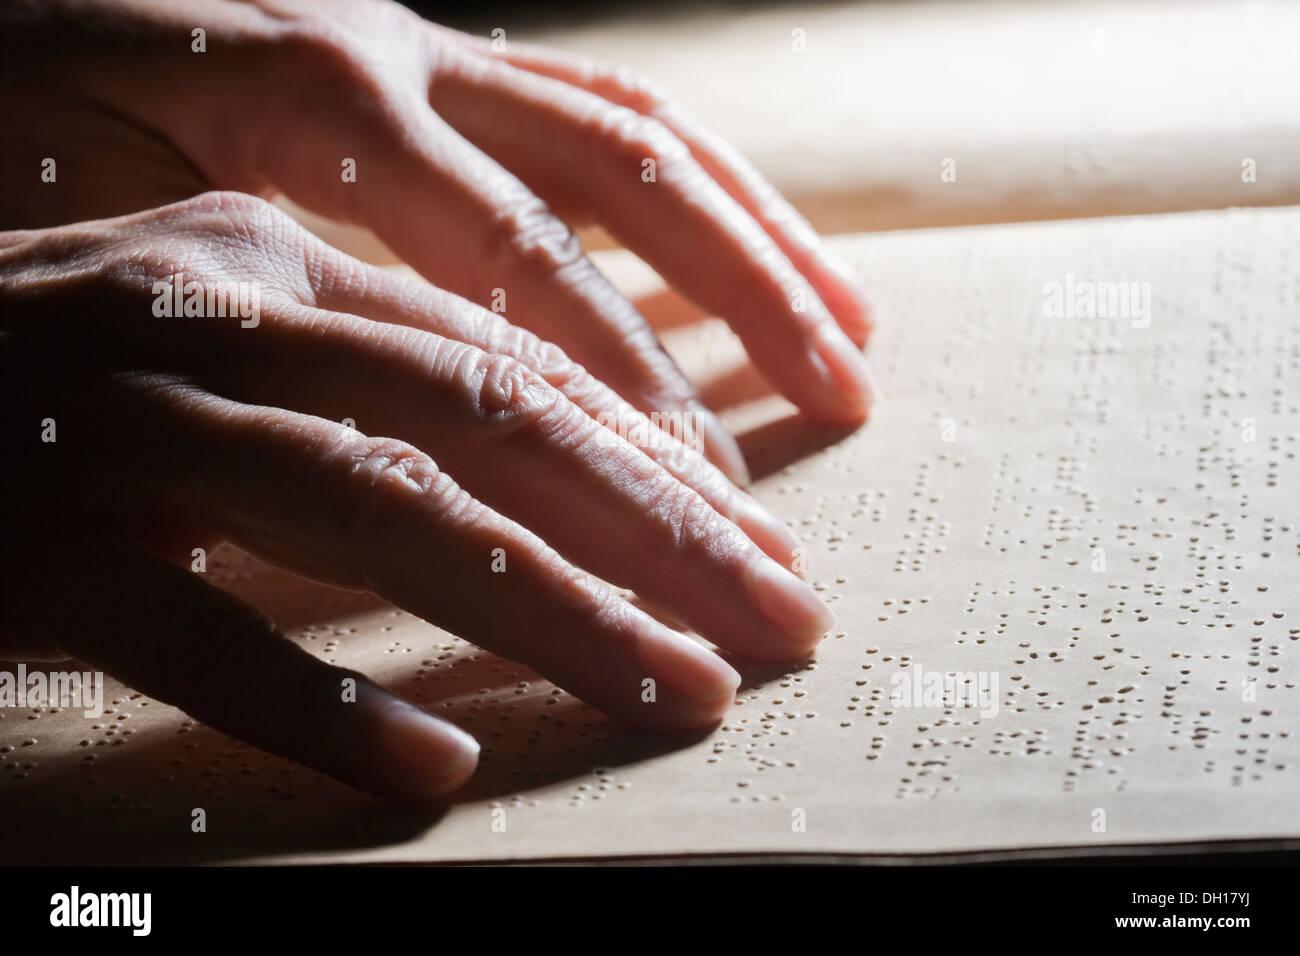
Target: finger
pixel 471 227
pixel 375 513
pixel 641 182
pixel 828 274
pixel 674 443
pixel 168 633
pixel 517 444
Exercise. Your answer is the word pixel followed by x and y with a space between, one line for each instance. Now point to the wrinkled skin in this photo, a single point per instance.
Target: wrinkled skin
pixel 175 432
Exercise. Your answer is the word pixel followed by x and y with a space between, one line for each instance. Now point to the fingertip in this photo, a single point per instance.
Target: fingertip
pixel 690 670
pixel 769 532
pixel 846 299
pixel 795 610
pixel 673 714
pixel 423 758
pixel 686 685
pixel 848 386
pixel 858 329
pixel 720 447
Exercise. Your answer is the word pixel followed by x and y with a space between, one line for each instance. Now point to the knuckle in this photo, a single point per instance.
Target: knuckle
pixel 217 239
pixel 508 397
pixel 387 466
pixel 525 229
pixel 550 361
pixel 244 234
pixel 623 85
pixel 383 482
pixel 642 93
pixel 690 522
pixel 339 66
pixel 239 219
pixel 317 44
pixel 637 137
pixel 545 358
pixel 228 203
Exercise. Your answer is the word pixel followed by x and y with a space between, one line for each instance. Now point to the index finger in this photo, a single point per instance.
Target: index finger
pixel 826 272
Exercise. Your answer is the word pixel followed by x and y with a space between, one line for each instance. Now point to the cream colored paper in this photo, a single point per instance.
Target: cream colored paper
pixel 1099 511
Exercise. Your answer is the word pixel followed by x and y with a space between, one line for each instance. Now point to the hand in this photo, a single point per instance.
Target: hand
pixel 137 432
pixel 467 163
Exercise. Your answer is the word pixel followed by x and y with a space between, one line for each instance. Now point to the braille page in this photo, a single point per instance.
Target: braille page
pixel 1063 555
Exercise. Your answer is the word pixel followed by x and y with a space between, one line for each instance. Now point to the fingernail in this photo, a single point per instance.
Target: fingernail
pixel 767 531
pixel 720 446
pixel 851 304
pixel 693 671
pixel 439 756
pixel 789 603
pixel 847 373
